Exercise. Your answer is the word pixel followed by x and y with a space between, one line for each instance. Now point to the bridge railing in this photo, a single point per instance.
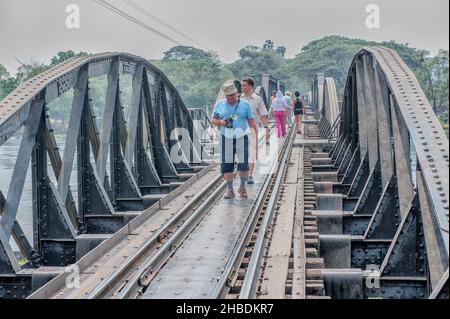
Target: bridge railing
pixel 207 131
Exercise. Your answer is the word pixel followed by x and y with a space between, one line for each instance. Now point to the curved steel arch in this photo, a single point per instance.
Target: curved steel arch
pixel 52 83
pixel 327 106
pixel 330 109
pixel 317 92
pixel 262 93
pixel 141 149
pixel 394 155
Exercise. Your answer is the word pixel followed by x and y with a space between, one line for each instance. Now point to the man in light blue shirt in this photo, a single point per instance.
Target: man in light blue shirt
pixel 234 117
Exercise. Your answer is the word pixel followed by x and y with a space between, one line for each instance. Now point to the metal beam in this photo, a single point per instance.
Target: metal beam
pixel 402 159
pixel 362 118
pixel 135 107
pixel 371 112
pixel 384 125
pixel 108 115
pixel 21 167
pixel 79 100
pixel 19 236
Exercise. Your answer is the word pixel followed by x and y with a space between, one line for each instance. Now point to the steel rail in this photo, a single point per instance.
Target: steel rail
pixel 239 250
pixel 253 273
pixel 54 287
pixel 164 252
pixel 145 274
pixel 148 270
pixel 150 244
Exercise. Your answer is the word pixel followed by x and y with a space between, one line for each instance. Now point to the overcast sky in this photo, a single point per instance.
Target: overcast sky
pixel 35 29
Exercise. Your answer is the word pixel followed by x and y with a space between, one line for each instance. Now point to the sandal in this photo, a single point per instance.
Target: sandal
pixel 243 192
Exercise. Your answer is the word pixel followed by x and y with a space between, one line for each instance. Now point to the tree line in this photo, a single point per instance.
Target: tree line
pixel 198 74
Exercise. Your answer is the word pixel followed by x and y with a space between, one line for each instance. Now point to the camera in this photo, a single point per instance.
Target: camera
pixel 229 123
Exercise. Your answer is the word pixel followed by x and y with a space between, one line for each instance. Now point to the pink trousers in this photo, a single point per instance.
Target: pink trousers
pixel 280 122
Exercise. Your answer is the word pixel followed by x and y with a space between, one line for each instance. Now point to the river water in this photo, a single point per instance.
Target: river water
pixel 8 156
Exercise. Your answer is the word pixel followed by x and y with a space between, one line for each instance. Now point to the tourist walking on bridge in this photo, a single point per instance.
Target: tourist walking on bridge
pixel 299 106
pixel 261 118
pixel 279 107
pixel 234 117
pixel 288 98
pixel 272 97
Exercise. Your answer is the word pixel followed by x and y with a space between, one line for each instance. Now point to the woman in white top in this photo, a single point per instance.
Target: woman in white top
pixel 279 107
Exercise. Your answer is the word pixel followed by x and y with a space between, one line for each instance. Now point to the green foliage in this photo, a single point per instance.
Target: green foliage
pixel 433 76
pixel 61 56
pixel 198 75
pixel 3 73
pixel 443 118
pixel 59 109
pixel 255 61
pixel 332 55
pixel 185 53
pixel 7 83
pixel 445 126
pixel 29 70
pixel 268 45
pixel 281 51
pixel 199 79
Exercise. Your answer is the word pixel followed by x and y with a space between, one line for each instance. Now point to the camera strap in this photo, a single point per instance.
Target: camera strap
pixel 238 101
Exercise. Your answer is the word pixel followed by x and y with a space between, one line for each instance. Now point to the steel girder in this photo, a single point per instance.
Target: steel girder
pixel 317 92
pixel 330 110
pixel 207 131
pixel 325 104
pixel 271 84
pixel 260 91
pixel 392 155
pixel 139 149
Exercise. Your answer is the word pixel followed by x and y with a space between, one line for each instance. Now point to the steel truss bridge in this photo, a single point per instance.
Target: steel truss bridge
pixel 356 206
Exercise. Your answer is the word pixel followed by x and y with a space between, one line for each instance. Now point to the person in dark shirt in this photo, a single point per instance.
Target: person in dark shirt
pixel 299 107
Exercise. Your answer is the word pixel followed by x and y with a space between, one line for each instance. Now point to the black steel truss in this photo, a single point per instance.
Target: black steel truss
pixel 139 148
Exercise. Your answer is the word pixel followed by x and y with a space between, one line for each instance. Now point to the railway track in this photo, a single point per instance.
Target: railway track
pixel 110 269
pixel 280 259
pixel 130 280
pixel 142 276
pixel 140 267
pixel 233 277
pixel 127 271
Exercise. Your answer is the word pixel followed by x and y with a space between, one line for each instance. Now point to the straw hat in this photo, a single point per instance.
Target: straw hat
pixel 228 87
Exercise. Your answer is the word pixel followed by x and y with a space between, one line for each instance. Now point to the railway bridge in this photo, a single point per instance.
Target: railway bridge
pixel 130 203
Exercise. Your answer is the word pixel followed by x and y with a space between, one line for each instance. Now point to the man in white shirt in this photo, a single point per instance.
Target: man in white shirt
pixel 261 116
